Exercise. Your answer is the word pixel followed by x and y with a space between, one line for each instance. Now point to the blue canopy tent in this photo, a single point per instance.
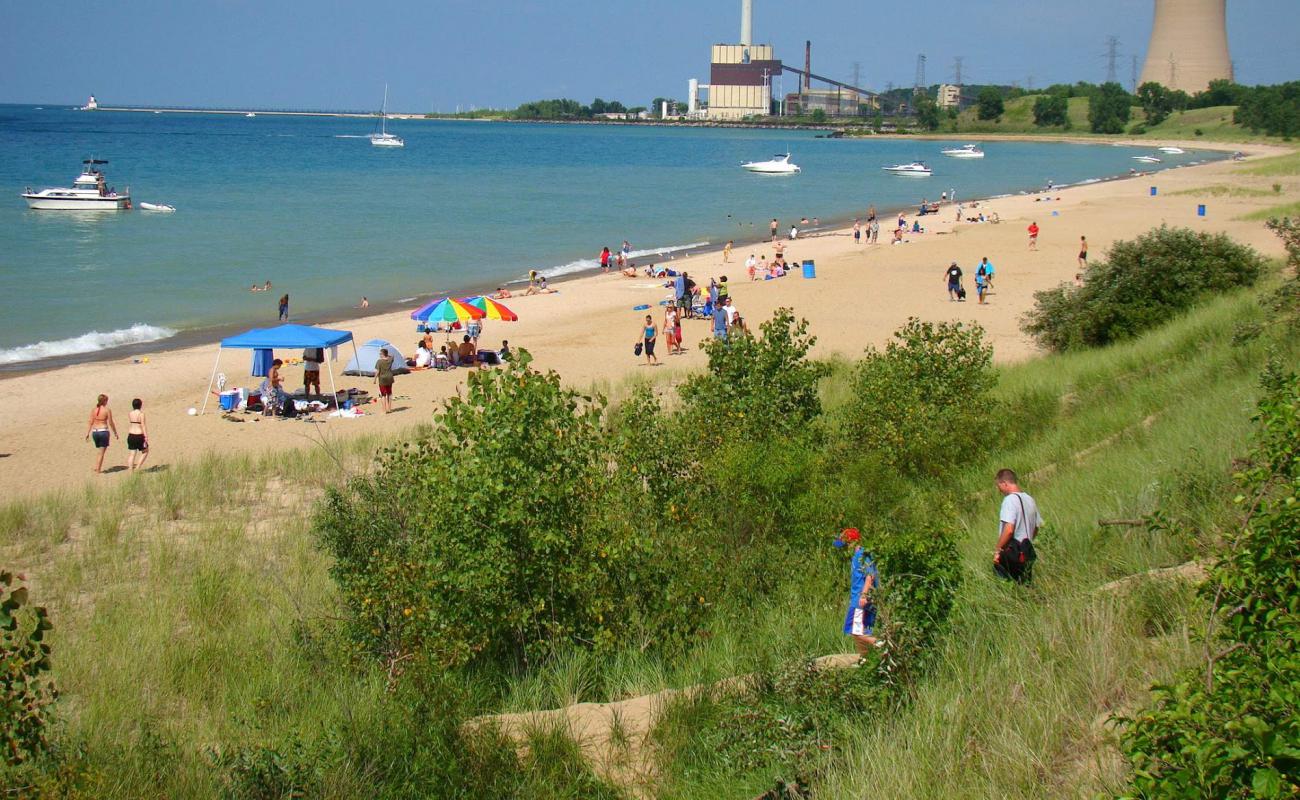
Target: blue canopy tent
pixel 289 337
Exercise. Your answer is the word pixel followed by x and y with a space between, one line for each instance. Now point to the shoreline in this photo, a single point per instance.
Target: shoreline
pixel 861 294
pixel 186 338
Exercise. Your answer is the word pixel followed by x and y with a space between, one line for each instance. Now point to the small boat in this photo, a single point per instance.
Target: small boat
pixel 159 207
pixel 1147 159
pixel 383 138
pixel 250 114
pixel 779 165
pixel 1173 151
pixel 89 192
pixel 917 169
pixel 965 151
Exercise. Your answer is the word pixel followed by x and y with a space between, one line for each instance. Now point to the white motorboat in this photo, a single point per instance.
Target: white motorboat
pixel 159 207
pixel 779 165
pixel 250 114
pixel 917 169
pixel 383 138
pixel 89 192
pixel 1173 151
pixel 1147 159
pixel 965 151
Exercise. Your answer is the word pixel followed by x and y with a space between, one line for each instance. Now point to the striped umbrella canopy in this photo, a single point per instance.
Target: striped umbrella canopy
pixel 491 308
pixel 448 309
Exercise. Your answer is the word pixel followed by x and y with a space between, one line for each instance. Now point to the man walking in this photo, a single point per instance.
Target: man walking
pixel 860 621
pixel 1018 525
pixel 1033 236
pixel 1083 252
pixel 773 227
pixel 953 274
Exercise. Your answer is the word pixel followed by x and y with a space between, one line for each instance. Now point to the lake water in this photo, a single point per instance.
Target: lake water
pixel 310 205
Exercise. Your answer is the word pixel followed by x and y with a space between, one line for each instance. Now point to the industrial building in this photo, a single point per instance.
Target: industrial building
pixel 741 77
pixel 1189 45
pixel 949 96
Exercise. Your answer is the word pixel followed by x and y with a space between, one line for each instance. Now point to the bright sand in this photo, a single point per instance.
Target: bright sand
pixel 586 330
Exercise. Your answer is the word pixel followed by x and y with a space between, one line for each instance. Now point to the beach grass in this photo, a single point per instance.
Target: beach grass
pixel 1276 166
pixel 1291 210
pixel 196 620
pixel 1222 190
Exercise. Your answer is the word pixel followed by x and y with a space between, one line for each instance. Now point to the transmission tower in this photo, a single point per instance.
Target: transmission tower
pixel 857 73
pixel 1133 76
pixel 919 84
pixel 956 68
pixel 1029 84
pixel 1112 53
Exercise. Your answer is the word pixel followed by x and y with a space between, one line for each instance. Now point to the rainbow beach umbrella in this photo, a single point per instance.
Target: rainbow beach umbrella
pixel 448 309
pixel 491 308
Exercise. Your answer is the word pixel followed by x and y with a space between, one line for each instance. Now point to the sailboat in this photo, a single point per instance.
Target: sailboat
pixel 384 138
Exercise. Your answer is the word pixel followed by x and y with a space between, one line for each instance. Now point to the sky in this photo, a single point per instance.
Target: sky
pixel 444 54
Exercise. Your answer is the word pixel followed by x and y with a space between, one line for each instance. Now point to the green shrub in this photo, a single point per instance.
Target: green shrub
pixel 923 404
pixel 1051 110
pixel 1142 283
pixel 476 538
pixel 1109 109
pixel 1228 728
pixel 26 688
pixel 758 386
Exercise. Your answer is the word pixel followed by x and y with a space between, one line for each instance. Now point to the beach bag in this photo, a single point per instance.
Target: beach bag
pixel 636 350
pixel 1016 558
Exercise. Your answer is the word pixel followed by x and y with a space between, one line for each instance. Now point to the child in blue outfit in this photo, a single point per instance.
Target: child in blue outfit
pixel 860 620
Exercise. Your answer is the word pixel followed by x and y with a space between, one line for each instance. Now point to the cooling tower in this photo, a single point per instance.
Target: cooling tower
pixel 746 21
pixel 1189 45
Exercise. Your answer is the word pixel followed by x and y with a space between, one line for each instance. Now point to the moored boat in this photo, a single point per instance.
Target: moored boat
pixel 778 165
pixel 89 192
pixel 965 151
pixel 916 169
pixel 1147 159
pixel 1171 150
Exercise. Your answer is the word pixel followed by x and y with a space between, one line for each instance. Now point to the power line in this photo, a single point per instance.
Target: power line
pixel 1112 52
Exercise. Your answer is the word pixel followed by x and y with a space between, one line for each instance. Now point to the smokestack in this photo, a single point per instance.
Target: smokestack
pixel 747 22
pixel 1189 45
pixel 807 65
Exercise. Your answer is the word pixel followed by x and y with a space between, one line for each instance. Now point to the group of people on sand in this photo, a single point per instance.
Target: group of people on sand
pixel 101 425
pixel 615 261
pixel 1014 557
pixel 983 281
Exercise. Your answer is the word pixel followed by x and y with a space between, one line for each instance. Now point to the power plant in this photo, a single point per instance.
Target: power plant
pixel 741 76
pixel 1189 45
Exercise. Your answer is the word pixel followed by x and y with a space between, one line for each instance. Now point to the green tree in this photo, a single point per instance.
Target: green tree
pixel 477 540
pixel 1157 102
pixel 26 689
pixel 990 103
pixel 1110 108
pixel 1052 110
pixel 818 115
pixel 921 403
pixel 927 111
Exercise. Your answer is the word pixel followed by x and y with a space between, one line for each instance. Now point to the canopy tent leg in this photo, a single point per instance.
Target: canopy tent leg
pixel 211 380
pixel 334 389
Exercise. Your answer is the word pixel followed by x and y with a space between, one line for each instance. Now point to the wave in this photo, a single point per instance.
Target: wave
pixel 138 333
pixel 351 136
pixel 592 263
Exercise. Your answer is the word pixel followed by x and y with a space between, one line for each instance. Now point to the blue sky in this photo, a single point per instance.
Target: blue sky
pixel 437 54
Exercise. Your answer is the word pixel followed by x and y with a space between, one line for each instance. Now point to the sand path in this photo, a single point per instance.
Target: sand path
pixel 585 331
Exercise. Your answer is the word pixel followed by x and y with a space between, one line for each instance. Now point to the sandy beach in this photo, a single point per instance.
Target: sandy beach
pixel 585 331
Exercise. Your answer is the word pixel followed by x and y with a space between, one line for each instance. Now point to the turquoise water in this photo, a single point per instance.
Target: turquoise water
pixel 308 204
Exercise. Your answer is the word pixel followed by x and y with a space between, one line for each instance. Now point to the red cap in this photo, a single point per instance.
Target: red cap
pixel 850 535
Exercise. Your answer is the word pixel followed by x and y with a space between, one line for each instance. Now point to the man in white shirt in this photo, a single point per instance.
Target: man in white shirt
pixel 1019 522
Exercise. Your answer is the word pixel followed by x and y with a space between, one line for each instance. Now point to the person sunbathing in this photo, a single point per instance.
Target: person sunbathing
pixel 502 293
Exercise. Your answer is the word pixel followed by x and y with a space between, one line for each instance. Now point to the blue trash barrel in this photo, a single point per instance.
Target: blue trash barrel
pixel 1200 210
pixel 809 269
pixel 1153 191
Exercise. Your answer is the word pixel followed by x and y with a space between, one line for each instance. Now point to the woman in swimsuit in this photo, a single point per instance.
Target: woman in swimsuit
pixel 137 436
pixel 101 422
